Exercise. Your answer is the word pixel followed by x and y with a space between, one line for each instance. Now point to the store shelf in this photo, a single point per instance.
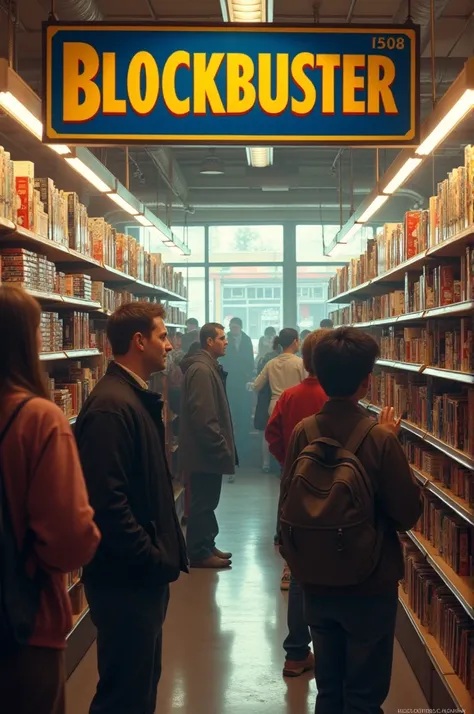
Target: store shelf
pixel 71 587
pixel 16 235
pixel 464 459
pixel 405 366
pixel 458 505
pixel 461 587
pixel 68 354
pixel 452 375
pixel 452 247
pixel 457 691
pixel 66 301
pixel 457 309
pixel 52 356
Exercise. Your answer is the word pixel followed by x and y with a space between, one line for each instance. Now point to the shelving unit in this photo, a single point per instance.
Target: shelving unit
pixel 70 261
pixel 441 334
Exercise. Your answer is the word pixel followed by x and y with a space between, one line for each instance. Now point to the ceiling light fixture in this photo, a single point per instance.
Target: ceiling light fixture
pixel 122 203
pixel 144 221
pixel 88 174
pixel 402 174
pixel 259 156
pixel 456 114
pixel 12 106
pixel 212 165
pixel 373 208
pixel 247 10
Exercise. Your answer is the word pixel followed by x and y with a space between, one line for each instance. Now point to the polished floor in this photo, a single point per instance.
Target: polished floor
pixel 223 635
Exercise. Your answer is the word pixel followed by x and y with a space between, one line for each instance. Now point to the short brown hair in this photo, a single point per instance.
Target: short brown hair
pixel 307 350
pixel 127 320
pixel 209 331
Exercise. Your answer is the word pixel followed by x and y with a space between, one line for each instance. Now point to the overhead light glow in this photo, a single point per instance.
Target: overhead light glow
pixel 144 221
pixel 60 149
pixel 259 156
pixel 247 10
pixel 447 123
pixel 373 208
pixel 122 203
pixel 88 174
pixel 401 176
pixel 18 111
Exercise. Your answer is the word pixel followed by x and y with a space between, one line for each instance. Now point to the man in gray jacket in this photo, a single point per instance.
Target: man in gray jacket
pixel 206 444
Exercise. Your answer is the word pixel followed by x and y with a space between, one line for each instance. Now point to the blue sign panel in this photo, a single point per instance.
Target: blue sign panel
pixel 234 84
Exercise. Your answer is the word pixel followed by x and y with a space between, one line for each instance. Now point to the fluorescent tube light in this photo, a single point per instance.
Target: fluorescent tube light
pixel 259 156
pixel 88 174
pixel 401 176
pixel 373 208
pixel 21 113
pixel 60 149
pixel 144 221
pixel 18 111
pixel 341 245
pixel 122 203
pixel 447 124
pixel 247 10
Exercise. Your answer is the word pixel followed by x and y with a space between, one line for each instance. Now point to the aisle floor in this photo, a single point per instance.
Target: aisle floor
pixel 222 645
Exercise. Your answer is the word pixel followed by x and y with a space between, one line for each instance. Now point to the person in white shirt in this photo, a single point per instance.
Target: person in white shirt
pixel 282 372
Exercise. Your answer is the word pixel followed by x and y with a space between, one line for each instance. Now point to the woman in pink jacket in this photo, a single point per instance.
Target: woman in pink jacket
pixel 46 523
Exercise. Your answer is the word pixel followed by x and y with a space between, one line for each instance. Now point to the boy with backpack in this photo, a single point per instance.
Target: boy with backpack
pixel 347 489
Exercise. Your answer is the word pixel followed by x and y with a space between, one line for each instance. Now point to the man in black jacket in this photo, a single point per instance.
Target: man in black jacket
pixel 239 363
pixel 120 435
pixel 206 441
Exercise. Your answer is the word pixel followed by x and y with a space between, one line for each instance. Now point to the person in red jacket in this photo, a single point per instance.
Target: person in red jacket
pixel 294 405
pixel 47 526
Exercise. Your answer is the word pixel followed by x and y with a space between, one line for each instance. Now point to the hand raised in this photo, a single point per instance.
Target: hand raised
pixel 388 421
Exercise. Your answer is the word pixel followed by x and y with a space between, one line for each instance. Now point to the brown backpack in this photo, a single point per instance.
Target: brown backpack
pixel 328 530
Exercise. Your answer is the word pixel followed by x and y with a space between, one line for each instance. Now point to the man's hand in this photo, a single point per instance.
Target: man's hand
pixel 388 421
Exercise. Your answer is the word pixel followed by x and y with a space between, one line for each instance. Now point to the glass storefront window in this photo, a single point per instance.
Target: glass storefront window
pixel 194 237
pixel 254 293
pixel 195 280
pixel 242 244
pixel 312 294
pixel 309 241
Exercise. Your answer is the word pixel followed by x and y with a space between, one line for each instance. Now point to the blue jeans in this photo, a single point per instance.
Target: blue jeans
pixel 297 642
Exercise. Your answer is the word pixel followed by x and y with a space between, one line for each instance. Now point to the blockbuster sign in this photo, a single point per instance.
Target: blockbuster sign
pixel 231 84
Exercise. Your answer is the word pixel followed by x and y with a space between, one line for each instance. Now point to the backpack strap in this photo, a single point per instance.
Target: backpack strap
pixel 12 417
pixel 358 436
pixel 311 429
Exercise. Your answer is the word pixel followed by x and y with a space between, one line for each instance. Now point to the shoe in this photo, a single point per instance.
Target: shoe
pixel 294 668
pixel 222 555
pixel 231 479
pixel 285 579
pixel 212 562
pixel 266 469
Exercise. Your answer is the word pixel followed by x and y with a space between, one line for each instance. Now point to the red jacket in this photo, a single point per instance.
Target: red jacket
pixel 295 404
pixel 46 493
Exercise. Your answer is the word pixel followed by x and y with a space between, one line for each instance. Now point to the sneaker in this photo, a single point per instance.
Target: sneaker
pixel 285 579
pixel 293 668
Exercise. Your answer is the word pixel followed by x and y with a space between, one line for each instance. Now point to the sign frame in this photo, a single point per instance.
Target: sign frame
pixel 52 137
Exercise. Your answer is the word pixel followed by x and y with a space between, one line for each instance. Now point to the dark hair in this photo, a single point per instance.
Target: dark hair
pixel 270 331
pixel 20 365
pixel 326 323
pixel 304 334
pixel 286 338
pixel 308 348
pixel 127 320
pixel 236 321
pixel 209 331
pixel 342 359
pixel 192 321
